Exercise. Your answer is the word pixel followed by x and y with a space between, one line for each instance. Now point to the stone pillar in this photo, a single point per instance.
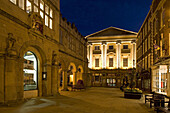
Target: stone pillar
pixel 11 68
pixel 118 51
pixel 2 76
pixel 48 82
pixel 134 55
pixel 64 87
pixel 75 78
pixel 91 56
pixel 54 80
pixel 104 55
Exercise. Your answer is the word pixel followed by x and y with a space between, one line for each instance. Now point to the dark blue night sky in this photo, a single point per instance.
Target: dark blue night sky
pixel 91 16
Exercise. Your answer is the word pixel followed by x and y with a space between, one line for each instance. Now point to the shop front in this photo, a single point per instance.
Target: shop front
pixel 160 79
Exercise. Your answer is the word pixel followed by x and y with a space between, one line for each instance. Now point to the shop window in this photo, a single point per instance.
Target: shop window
pixel 97 78
pixel 21 4
pixel 97 47
pixel 125 46
pixel 14 1
pixel 111 47
pixel 28 6
pixel 125 62
pixel 30 71
pixel 41 5
pixel 96 62
pixel 110 62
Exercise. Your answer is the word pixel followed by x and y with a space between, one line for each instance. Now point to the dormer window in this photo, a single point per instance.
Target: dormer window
pixel 111 47
pixel 125 46
pixel 97 47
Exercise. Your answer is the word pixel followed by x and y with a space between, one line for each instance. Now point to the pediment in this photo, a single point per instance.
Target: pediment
pixel 112 31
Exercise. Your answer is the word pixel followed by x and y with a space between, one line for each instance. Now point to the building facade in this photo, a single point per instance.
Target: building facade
pixel 111 56
pixel 31 53
pixel 72 53
pixel 153 46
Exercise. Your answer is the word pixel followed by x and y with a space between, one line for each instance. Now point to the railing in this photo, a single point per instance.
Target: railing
pixel 111 50
pixel 96 51
pixel 125 50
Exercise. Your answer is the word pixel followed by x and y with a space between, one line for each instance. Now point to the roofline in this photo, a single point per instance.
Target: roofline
pixel 114 37
pixel 145 20
pixel 109 28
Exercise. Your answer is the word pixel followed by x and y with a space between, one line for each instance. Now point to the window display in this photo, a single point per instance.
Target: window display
pixel 30 71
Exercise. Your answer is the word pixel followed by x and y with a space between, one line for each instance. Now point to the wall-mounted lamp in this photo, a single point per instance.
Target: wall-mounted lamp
pixel 44 75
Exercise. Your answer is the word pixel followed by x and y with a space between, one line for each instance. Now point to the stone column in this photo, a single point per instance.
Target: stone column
pixel 118 54
pixel 91 56
pixel 54 80
pixel 48 81
pixel 104 55
pixel 75 78
pixel 134 54
pixel 64 86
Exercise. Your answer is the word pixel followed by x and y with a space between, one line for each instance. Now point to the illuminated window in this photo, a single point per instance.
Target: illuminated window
pixel 110 62
pixel 111 47
pixel 41 5
pixel 96 62
pixel 36 2
pixel 35 9
pixel 28 6
pixel 125 46
pixel 125 62
pixel 21 4
pixel 51 24
pixel 97 47
pixel 46 20
pixel 51 13
pixel 41 14
pixel 46 9
pixel 14 1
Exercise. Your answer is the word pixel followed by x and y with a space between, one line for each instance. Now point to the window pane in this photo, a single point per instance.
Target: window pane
pixel 110 62
pixel 46 9
pixel 41 14
pixel 13 1
pixel 36 2
pixel 41 5
pixel 96 62
pixel 35 9
pixel 21 4
pixel 125 62
pixel 46 20
pixel 51 24
pixel 30 71
pixel 110 47
pixel 51 13
pixel 28 6
pixel 125 46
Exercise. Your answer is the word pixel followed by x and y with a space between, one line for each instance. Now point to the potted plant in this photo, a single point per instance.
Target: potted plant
pixel 131 92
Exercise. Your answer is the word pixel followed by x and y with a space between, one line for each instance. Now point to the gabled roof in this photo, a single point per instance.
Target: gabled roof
pixel 111 31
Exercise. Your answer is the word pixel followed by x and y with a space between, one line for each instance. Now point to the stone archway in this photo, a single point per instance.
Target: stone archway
pixel 80 73
pixel 72 74
pixel 41 59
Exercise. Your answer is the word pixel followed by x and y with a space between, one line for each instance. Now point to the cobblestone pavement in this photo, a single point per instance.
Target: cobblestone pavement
pixel 91 100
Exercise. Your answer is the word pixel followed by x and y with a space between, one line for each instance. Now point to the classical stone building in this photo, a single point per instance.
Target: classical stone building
pixel 153 48
pixel 112 56
pixel 31 53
